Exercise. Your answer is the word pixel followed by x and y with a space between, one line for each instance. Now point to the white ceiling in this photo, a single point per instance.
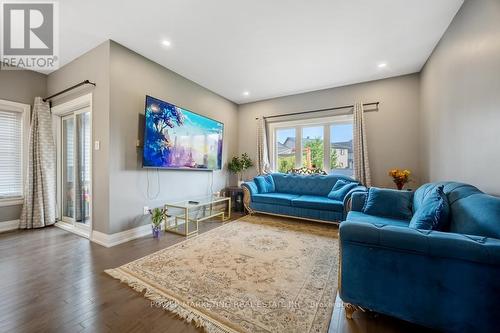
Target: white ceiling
pixel 269 48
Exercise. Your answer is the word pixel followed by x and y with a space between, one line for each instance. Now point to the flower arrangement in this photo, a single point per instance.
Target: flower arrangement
pixel 400 177
pixel 307 171
pixel 238 165
pixel 157 217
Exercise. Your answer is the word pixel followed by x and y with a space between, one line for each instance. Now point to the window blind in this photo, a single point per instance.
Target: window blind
pixel 11 156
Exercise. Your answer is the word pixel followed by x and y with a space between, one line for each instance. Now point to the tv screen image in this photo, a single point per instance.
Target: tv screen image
pixel 177 138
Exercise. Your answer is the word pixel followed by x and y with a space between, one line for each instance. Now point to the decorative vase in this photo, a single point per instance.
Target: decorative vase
pixel 156 231
pixel 399 185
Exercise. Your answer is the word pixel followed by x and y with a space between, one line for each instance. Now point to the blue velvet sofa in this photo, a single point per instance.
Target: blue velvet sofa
pixel 447 280
pixel 299 196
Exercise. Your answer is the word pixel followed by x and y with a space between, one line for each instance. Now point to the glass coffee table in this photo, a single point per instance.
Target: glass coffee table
pixel 186 214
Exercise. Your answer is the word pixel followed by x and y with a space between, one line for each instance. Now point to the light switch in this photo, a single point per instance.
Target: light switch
pixel 97 145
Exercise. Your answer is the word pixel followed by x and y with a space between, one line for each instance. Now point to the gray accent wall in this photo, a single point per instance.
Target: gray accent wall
pixel 93 66
pixel 460 98
pixel 392 133
pixel 20 86
pixel 132 77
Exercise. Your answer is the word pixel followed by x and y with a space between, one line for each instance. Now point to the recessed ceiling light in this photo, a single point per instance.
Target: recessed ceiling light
pixel 166 43
pixel 246 93
pixel 382 65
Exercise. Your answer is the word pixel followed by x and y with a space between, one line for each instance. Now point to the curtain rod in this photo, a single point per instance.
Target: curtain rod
pixel 322 110
pixel 69 89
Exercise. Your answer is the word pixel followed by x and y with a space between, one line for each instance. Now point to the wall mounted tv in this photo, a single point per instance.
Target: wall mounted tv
pixel 176 138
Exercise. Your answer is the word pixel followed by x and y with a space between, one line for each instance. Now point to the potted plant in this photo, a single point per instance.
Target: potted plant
pixel 238 165
pixel 158 215
pixel 400 177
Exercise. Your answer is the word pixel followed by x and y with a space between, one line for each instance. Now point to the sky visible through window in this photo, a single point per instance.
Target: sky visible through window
pixel 340 133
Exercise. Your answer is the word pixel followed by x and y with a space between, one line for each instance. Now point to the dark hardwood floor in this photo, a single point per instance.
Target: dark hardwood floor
pixel 53 281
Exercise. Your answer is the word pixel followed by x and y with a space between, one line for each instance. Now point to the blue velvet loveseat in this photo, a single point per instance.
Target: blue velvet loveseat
pixel 299 196
pixel 448 280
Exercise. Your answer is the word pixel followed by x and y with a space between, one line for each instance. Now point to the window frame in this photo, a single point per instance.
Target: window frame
pixel 25 110
pixel 298 125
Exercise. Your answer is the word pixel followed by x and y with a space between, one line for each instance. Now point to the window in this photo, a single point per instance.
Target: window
pixel 324 143
pixel 13 127
pixel 313 147
pixel 285 149
pixel 341 160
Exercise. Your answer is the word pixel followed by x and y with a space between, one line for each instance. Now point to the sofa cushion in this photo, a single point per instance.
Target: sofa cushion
pixel 433 213
pixel 265 184
pixel 376 220
pixel 275 198
pixel 340 189
pixel 317 202
pixel 388 203
pixel 306 184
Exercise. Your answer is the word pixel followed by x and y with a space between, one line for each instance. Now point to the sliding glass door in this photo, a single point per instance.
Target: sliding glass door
pixel 75 184
pixel 68 169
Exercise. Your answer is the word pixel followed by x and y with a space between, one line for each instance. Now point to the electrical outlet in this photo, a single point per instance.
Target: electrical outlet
pixel 146 210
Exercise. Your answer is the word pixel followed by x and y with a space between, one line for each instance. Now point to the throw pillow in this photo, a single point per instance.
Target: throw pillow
pixel 265 184
pixel 433 213
pixel 388 203
pixel 340 189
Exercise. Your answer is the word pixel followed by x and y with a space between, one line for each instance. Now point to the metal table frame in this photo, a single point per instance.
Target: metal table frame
pixel 185 216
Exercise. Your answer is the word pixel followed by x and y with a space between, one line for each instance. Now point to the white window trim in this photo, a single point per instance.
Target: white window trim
pixel 25 110
pixel 326 122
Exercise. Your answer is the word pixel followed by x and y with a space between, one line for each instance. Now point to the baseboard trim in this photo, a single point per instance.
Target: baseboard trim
pixel 72 229
pixel 9 225
pixel 109 240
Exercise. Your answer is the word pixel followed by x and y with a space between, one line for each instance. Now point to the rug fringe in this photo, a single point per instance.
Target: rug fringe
pixel 168 304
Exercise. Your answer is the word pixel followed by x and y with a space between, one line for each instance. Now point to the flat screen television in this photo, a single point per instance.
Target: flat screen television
pixel 176 138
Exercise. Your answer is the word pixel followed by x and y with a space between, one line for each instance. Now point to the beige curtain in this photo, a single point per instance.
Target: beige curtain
pixel 263 165
pixel 360 147
pixel 39 209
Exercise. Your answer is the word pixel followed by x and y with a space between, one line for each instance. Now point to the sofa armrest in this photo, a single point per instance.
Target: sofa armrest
pixel 251 186
pixel 249 189
pixel 358 200
pixel 347 198
pixel 422 242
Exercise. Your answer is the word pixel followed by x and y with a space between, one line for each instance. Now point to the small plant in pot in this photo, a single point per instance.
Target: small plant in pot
pixel 158 215
pixel 239 164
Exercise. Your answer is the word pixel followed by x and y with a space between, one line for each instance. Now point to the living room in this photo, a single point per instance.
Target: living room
pixel 250 167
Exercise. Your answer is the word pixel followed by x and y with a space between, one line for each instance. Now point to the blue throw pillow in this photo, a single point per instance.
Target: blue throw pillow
pixel 388 203
pixel 433 213
pixel 265 184
pixel 340 189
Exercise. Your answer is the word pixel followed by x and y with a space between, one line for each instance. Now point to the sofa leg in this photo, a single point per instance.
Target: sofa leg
pixel 349 310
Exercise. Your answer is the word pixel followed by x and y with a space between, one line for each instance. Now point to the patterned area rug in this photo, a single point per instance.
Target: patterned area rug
pixel 256 274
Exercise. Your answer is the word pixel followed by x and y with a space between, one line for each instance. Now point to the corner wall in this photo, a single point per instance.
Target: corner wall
pixel 460 100
pixel 392 132
pixel 93 66
pixel 132 77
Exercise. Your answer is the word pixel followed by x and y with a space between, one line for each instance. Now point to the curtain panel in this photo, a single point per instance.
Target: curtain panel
pixel 360 146
pixel 263 164
pixel 39 209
